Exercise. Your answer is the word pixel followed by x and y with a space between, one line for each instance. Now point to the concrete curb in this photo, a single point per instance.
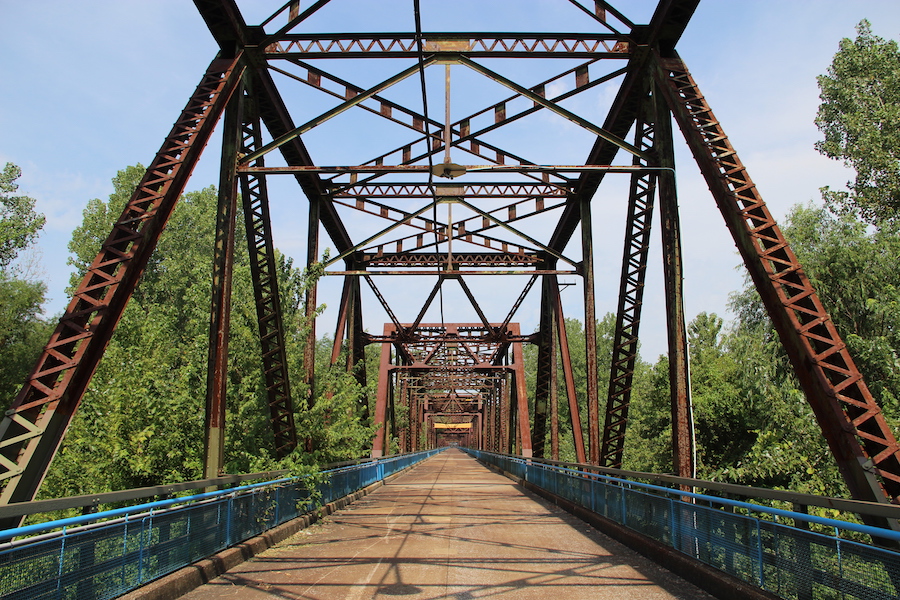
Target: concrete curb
pixel 712 580
pixel 184 580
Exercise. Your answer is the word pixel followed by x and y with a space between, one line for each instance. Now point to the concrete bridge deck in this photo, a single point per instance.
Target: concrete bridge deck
pixel 448 529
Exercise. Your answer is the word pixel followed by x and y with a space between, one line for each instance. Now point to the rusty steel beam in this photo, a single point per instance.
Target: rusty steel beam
pixel 35 423
pixel 673 283
pixel 309 301
pixel 524 422
pixel 231 32
pixel 381 397
pixel 340 329
pixel 357 354
pixel 392 111
pixel 497 115
pixel 493 45
pixel 590 332
pixel 866 451
pixel 295 17
pixel 631 292
pixel 568 374
pixel 264 274
pixel 666 26
pixel 554 390
pixel 463 228
pixel 440 259
pixel 220 310
pixel 465 190
pixel 546 370
pixel 426 273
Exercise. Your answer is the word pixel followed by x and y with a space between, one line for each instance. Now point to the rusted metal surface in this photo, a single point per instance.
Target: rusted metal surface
pixel 631 293
pixel 220 311
pixel 261 248
pixel 467 259
pixel 457 376
pixel 673 283
pixel 590 333
pixel 866 450
pixel 544 374
pixel 367 191
pixel 36 421
pixel 309 300
pixel 568 374
pixel 476 44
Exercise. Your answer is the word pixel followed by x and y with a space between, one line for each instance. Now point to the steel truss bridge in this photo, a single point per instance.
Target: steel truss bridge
pixel 442 201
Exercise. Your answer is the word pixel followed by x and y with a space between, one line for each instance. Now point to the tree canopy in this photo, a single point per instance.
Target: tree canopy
pixel 23 330
pixel 142 417
pixel 19 224
pixel 860 119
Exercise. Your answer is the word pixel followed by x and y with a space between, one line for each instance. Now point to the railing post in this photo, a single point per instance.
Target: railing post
pixel 141 546
pixel 62 561
pixel 672 524
pixel 760 555
pixel 277 491
pixel 228 518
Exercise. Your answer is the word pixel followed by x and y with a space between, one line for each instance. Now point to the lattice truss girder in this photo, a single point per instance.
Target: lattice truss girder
pixel 851 420
pixel 392 209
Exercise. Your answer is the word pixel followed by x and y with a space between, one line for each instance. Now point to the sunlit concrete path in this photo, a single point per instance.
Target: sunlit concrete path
pixel 449 528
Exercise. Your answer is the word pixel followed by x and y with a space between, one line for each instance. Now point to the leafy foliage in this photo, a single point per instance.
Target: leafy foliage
pixel 23 330
pixel 19 224
pixel 142 418
pixel 860 119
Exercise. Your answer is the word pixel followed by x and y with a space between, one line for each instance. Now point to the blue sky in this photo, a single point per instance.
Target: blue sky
pixel 91 87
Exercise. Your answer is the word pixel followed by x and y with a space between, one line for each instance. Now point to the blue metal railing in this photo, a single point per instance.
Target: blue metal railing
pixel 785 560
pixel 107 554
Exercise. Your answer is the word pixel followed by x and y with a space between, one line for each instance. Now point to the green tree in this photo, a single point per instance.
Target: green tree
pixel 854 271
pixel 142 417
pixel 23 331
pixel 860 119
pixel 648 442
pixel 19 224
pixel 725 416
pixel 784 447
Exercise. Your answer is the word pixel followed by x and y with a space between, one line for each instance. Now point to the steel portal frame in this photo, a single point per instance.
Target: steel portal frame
pixel 453 379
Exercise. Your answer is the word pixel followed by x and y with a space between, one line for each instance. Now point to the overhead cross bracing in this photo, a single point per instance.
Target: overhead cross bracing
pixel 422 149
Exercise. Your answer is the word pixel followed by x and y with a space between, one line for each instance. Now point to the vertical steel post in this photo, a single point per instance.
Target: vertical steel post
pixel 357 353
pixel 220 310
pixel 673 275
pixel 590 330
pixel 631 293
pixel 568 375
pixel 341 327
pixel 312 253
pixel 381 398
pixel 546 368
pixel 264 274
pixel 524 423
pixel 504 415
pixel 554 389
